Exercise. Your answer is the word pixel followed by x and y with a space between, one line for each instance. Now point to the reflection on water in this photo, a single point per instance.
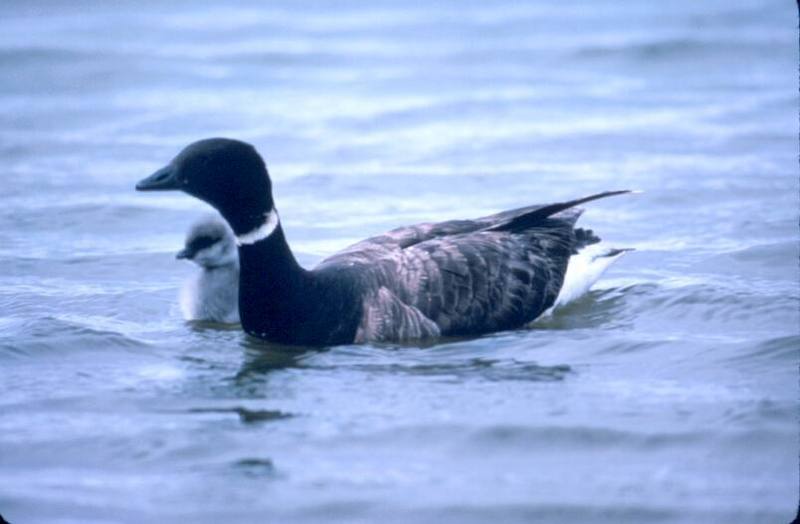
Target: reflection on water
pixel 261 357
pixel 246 416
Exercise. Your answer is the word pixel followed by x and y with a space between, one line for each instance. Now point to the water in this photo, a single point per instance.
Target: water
pixel 667 395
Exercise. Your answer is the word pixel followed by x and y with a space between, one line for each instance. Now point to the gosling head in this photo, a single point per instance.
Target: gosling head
pixel 210 244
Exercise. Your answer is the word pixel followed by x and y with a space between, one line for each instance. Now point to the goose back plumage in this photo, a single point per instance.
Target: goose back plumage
pixel 459 277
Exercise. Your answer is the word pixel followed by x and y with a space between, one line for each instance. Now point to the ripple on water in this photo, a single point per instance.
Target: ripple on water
pixel 246 415
pixel 694 306
pixel 41 337
pixel 456 361
pixel 769 352
pixel 600 308
pixel 579 437
pixel 772 262
pixel 492 370
pixel 255 467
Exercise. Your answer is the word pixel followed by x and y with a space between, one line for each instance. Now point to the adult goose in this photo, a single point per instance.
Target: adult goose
pixel 454 278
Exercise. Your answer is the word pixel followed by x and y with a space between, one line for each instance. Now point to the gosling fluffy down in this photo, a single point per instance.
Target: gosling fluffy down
pixel 212 294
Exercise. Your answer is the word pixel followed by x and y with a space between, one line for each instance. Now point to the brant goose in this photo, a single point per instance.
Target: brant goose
pixel 213 293
pixel 454 278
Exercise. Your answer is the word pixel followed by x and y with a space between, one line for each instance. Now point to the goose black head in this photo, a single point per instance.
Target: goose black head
pixel 228 174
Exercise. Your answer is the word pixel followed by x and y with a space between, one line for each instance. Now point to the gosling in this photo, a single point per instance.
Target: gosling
pixel 212 294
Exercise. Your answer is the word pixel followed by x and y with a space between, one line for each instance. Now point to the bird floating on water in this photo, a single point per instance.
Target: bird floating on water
pixel 453 278
pixel 213 293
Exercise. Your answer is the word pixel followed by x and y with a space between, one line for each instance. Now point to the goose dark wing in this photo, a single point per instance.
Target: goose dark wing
pixel 466 284
pixel 488 280
pixel 462 277
pixel 514 220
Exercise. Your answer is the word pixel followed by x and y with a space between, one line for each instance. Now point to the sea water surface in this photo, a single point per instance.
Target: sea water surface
pixel 669 394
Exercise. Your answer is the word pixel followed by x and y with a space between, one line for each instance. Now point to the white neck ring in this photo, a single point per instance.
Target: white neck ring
pixel 263 231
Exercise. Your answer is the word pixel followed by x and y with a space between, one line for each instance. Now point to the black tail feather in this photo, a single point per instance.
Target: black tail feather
pixel 616 251
pixel 529 220
pixel 584 237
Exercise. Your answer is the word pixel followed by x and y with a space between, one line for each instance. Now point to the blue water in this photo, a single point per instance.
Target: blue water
pixel 669 394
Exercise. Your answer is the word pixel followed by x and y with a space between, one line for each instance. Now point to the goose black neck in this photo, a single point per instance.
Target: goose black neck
pixel 272 254
pixel 272 288
pixel 243 221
